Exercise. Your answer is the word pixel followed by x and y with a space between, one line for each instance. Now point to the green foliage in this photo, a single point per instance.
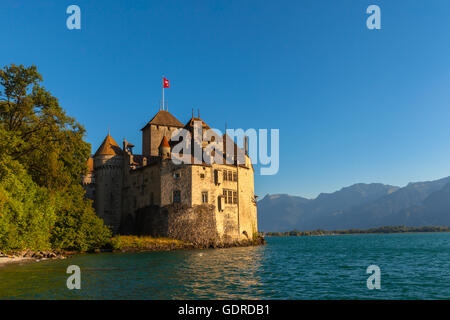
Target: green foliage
pixel 38 133
pixel 26 210
pixel 42 156
pixel 77 227
pixel 130 243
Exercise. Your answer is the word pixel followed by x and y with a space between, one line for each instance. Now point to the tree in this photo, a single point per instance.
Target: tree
pixel 77 227
pixel 39 134
pixel 42 158
pixel 27 213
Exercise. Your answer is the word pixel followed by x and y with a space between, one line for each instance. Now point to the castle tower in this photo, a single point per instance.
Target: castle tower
pixel 164 148
pixel 108 170
pixel 162 124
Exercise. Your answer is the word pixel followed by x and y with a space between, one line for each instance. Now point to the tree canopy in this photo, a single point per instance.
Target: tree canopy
pixel 42 157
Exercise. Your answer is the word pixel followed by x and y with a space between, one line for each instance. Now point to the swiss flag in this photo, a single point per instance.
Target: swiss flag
pixel 165 83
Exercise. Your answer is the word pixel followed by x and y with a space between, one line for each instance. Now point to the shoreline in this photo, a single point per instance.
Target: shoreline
pixel 354 234
pixel 131 245
pixel 27 256
pixel 5 260
pixel 31 256
pixel 356 231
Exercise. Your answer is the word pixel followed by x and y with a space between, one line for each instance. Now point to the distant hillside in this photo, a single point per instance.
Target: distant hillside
pixel 359 206
pixel 280 211
pixel 434 210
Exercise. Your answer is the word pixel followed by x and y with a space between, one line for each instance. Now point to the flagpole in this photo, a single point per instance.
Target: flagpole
pixel 163 92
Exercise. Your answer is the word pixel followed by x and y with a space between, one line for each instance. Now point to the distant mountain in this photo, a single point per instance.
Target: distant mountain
pixel 434 210
pixel 279 211
pixel 358 206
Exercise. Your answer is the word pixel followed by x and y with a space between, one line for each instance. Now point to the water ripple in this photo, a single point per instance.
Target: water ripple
pixel 413 266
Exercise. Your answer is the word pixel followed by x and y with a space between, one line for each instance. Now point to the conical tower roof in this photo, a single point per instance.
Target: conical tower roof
pixel 164 143
pixel 109 147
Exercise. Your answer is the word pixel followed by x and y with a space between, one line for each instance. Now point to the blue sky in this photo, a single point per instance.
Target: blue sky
pixel 352 104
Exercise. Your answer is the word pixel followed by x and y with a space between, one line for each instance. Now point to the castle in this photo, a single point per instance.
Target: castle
pixel 149 194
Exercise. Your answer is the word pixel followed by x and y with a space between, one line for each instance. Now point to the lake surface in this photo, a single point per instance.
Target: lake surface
pixel 413 266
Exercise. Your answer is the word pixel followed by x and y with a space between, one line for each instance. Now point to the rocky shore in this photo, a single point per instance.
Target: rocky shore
pixel 126 244
pixel 29 256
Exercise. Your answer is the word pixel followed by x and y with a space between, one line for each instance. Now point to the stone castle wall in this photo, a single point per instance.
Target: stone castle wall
pixel 108 189
pixel 141 188
pixel 175 178
pixel 191 219
pixel 193 224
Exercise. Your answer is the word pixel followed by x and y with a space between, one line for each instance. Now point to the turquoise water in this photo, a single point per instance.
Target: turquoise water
pixel 413 266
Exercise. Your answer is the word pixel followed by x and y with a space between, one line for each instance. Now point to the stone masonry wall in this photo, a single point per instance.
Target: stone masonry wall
pixel 193 224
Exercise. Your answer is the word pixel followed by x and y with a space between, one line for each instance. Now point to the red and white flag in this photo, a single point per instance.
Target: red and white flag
pixel 165 83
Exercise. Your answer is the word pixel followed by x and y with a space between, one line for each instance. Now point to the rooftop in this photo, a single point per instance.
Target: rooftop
pixel 109 147
pixel 164 118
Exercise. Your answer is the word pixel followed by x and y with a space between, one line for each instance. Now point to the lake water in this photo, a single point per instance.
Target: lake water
pixel 413 266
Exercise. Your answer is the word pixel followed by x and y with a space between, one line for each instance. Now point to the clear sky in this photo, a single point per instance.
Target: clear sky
pixel 352 104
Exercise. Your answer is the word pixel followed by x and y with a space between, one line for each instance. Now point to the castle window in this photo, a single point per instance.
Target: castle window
pixel 216 177
pixel 220 203
pixel 229 175
pixel 202 175
pixel 176 196
pixel 235 199
pixel 205 197
pixel 176 175
pixel 228 196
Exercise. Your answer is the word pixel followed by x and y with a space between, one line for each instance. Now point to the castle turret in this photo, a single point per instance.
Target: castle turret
pixel 164 148
pixel 108 170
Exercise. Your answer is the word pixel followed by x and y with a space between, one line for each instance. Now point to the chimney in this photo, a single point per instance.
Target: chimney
pixel 245 145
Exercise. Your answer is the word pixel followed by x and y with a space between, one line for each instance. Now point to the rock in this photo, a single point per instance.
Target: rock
pixel 37 255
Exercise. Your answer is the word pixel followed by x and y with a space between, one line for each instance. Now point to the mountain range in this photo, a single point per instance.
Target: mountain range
pixel 359 206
